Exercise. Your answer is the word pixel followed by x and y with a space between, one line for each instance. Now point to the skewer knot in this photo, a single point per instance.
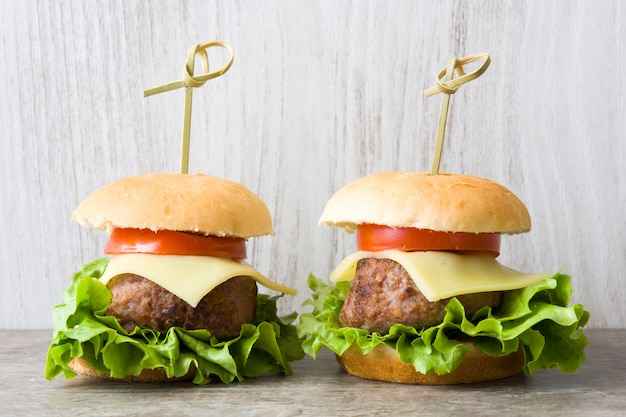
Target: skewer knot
pixel 455 66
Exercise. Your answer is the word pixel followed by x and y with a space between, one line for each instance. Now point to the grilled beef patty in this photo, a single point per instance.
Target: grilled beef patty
pixel 382 294
pixel 139 301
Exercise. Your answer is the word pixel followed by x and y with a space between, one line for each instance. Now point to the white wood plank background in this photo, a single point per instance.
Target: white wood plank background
pixel 320 93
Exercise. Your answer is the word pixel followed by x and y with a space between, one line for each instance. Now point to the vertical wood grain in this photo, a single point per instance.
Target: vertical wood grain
pixel 320 93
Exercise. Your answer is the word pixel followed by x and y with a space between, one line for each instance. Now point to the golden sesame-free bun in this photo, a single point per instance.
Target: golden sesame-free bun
pixel 172 201
pixel 81 366
pixel 382 364
pixel 443 202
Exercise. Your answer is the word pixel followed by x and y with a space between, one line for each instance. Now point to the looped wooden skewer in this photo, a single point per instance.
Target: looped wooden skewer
pixel 448 87
pixel 189 82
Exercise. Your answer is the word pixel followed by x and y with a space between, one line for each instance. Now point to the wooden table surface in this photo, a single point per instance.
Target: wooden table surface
pixel 317 388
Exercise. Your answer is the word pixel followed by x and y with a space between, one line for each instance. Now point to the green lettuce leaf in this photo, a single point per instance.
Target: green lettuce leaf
pixel 538 318
pixel 80 329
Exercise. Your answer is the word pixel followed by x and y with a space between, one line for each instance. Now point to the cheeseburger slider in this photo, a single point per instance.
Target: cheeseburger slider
pixel 424 300
pixel 175 299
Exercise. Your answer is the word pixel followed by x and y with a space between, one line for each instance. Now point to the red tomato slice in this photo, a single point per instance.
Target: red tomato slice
pixel 373 237
pixel 169 242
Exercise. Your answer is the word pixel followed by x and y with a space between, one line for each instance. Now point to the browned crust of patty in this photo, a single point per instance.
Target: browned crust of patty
pixel 382 294
pixel 139 301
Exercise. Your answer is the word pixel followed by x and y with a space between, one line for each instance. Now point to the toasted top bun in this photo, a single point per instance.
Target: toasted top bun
pixel 444 202
pixel 171 201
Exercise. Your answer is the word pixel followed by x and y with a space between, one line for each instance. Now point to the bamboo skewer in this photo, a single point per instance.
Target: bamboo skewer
pixel 448 87
pixel 189 82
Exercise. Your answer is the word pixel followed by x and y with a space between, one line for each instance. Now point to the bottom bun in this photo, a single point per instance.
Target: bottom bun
pixel 383 364
pixel 81 366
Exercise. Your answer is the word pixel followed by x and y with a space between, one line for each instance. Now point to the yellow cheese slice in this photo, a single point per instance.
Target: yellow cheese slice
pixel 188 277
pixel 441 275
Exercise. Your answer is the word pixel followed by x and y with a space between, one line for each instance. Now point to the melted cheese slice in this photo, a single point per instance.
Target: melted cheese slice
pixel 188 277
pixel 441 275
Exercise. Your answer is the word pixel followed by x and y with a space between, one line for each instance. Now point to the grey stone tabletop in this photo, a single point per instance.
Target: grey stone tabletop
pixel 317 388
